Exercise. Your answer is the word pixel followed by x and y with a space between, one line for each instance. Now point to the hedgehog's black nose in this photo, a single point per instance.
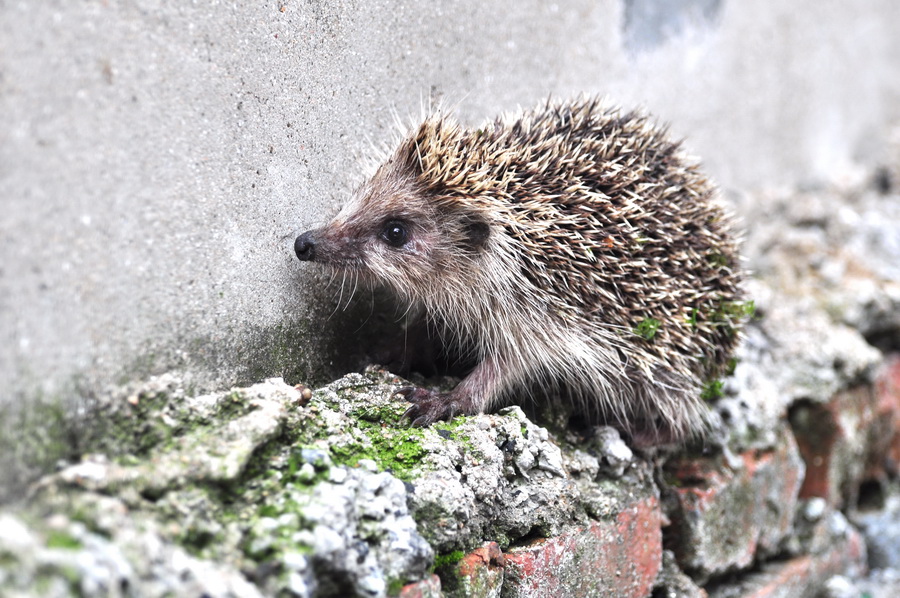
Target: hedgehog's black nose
pixel 305 247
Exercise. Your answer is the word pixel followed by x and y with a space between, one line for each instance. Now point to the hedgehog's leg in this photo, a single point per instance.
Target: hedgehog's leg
pixel 470 396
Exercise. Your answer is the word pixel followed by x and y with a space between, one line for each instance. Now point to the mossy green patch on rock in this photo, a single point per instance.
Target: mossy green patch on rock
pixel 314 495
pixel 254 476
pixel 355 419
pixel 60 539
pixel 448 559
pixel 35 435
pixel 398 451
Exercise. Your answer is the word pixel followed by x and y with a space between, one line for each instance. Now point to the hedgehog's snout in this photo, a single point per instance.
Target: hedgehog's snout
pixel 305 247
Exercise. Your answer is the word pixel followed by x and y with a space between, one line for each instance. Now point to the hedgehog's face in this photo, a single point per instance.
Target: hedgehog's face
pixel 393 233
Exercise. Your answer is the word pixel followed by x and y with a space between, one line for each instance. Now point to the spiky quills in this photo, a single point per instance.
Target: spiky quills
pixel 595 225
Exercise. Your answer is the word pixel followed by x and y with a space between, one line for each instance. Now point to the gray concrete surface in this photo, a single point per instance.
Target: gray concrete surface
pixel 157 158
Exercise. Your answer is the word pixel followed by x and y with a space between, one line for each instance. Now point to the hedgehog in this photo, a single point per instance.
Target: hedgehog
pixel 573 250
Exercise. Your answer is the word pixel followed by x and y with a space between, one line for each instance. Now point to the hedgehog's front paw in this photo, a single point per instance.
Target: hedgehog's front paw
pixel 429 406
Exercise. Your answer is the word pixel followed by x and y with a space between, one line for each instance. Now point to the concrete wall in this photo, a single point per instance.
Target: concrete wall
pixel 157 158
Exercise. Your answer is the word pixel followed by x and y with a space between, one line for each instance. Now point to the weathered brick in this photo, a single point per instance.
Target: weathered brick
pixel 802 576
pixel 430 587
pixel 884 445
pixel 479 574
pixel 618 557
pixel 834 439
pixel 853 437
pixel 724 513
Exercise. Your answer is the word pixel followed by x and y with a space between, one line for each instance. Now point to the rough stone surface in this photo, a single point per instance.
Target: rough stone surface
pixel 850 439
pixel 226 501
pixel 509 482
pixel 267 490
pixel 754 405
pixel 839 550
pixel 882 583
pixel 66 558
pixel 672 582
pixel 826 266
pixel 881 529
pixel 726 512
pixel 806 250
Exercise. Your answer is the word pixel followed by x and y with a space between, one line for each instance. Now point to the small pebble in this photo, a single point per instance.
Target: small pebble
pixel 305 394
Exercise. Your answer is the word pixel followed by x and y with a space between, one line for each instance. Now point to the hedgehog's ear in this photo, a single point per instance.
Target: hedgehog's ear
pixel 477 231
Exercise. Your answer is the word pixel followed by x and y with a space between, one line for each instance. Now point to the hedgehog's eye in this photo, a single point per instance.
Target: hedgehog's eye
pixel 395 233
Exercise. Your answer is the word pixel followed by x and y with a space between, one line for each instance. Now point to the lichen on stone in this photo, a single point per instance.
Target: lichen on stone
pixel 258 491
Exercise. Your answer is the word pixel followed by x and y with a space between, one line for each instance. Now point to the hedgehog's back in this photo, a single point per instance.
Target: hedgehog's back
pixel 620 229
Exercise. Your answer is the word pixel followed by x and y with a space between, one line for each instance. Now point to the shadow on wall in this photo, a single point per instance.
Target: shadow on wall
pixel 338 334
pixel 39 433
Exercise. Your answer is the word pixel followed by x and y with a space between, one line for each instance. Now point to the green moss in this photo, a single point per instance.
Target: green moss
pixel 47 579
pixel 647 328
pixel 398 450
pixel 692 319
pixel 725 315
pixel 133 427
pixel 268 511
pixel 307 465
pixel 196 539
pixel 35 435
pixel 717 259
pixel 737 309
pixel 271 529
pixel 448 559
pixel 445 566
pixel 394 586
pixel 86 513
pixel 712 390
pixel 728 313
pixel 450 431
pixel 59 539
pixel 390 413
pixel 730 366
pixel 452 425
pixel 232 406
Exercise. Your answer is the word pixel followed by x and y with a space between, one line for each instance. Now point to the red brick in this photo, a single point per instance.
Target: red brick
pixel 430 587
pixel 834 439
pixel 884 446
pixel 618 557
pixel 802 576
pixel 853 437
pixel 724 514
pixel 479 573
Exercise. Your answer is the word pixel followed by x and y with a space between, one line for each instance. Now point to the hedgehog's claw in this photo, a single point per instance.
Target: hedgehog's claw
pixel 407 392
pixel 428 406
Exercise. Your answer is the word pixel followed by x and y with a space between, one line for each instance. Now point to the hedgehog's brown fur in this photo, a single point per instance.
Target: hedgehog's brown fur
pixel 541 242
